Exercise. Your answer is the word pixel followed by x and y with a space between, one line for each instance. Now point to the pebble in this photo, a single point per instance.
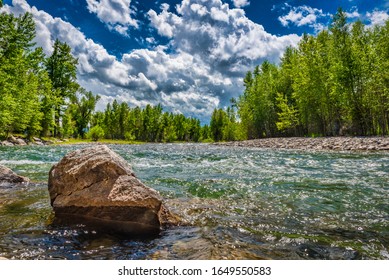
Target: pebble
pixel 317 144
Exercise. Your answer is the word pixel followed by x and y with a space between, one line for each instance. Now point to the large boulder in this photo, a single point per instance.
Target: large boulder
pixel 96 186
pixel 9 178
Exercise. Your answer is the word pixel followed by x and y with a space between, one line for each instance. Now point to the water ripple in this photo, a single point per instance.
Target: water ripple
pixel 239 203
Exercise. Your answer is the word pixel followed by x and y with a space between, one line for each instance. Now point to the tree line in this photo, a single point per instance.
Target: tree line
pixel 334 83
pixel 150 124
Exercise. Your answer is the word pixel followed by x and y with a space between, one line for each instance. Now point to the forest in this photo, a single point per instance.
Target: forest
pixel 333 83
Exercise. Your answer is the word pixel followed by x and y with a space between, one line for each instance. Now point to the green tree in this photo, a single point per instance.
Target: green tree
pixel 109 122
pixel 205 134
pixel 288 118
pixel 378 84
pixel 169 131
pixel 68 128
pixel 219 119
pixel 82 107
pixel 19 75
pixel 62 69
pixel 96 133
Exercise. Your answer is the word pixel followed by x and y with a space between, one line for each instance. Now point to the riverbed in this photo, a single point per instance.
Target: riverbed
pixel 237 203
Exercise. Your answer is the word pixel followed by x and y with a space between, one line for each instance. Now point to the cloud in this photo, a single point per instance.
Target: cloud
pixel 353 13
pixel 160 20
pixel 95 63
pixel 116 14
pixel 222 37
pixel 303 15
pixel 241 3
pixel 219 43
pixel 209 49
pixel 377 17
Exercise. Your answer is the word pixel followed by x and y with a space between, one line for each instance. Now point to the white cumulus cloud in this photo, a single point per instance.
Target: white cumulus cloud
pixel 115 13
pixel 303 15
pixel 241 3
pixel 378 17
pixel 353 13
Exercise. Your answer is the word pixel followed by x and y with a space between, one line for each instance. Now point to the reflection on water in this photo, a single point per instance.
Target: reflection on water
pixel 237 203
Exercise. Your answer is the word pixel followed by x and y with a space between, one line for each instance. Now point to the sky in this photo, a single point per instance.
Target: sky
pixel 190 56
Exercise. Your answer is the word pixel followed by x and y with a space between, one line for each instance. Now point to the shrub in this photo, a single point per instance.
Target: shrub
pixel 95 133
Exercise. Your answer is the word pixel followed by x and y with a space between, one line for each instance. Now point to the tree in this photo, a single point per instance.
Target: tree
pixel 95 133
pixel 205 134
pixel 68 128
pixel 107 122
pixel 288 118
pixel 62 69
pixel 218 121
pixel 169 131
pixel 378 84
pixel 82 106
pixel 19 75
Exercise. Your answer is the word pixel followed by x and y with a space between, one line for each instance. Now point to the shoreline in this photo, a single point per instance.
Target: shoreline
pixel 22 141
pixel 374 143
pixel 340 143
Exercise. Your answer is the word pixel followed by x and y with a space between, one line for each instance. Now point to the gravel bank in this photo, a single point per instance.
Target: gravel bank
pixel 320 143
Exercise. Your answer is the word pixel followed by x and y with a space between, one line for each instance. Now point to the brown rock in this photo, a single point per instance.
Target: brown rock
pixel 17 141
pixel 96 186
pixel 12 139
pixel 9 178
pixel 20 142
pixel 7 144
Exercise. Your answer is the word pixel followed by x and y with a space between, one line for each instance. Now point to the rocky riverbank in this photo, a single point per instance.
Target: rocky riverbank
pixel 317 144
pixel 20 141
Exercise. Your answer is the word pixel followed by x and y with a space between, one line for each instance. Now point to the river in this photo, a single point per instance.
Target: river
pixel 238 203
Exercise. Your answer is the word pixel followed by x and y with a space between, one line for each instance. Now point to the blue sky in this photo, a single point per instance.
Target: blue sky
pixel 189 55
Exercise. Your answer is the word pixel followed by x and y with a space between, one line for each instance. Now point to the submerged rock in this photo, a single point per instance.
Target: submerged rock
pixel 96 186
pixel 9 178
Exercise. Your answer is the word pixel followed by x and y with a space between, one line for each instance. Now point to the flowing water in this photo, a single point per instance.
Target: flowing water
pixel 238 203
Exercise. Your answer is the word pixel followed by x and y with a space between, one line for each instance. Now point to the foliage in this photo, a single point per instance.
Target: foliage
pixel 95 133
pixel 149 124
pixel 61 67
pixel 335 83
pixel 223 125
pixel 20 76
pixel 82 107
